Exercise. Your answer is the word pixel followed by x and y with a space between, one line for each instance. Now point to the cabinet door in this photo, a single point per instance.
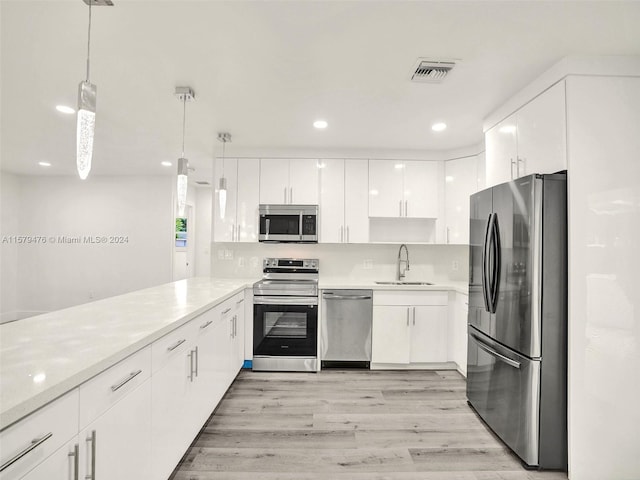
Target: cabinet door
pixel 239 333
pixel 303 181
pixel 390 334
pixel 118 444
pixel 274 181
pixel 173 427
pixel 213 352
pixel 385 188
pixel 356 201
pixel 60 465
pixel 501 152
pixel 542 133
pixel 224 219
pixel 248 200
pixel 459 332
pixel 460 184
pixel 429 334
pixel 420 189
pixel 332 201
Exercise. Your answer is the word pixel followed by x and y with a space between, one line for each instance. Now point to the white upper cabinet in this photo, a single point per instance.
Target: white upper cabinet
pixel 542 133
pixel 289 181
pixel 403 189
pixel 420 189
pixel 248 199
pixel 343 201
pixel 532 140
pixel 239 221
pixel 461 180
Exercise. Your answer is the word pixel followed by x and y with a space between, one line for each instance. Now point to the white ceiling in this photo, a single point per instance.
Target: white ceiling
pixel 265 70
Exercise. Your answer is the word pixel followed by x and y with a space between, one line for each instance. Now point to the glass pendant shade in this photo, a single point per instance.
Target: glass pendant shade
pixel 222 197
pixel 183 167
pixel 86 127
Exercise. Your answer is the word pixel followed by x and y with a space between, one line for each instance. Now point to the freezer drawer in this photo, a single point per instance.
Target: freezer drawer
pixel 504 388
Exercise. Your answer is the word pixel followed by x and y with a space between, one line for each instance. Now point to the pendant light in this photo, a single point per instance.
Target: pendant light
pixel 86 117
pixel 184 94
pixel 222 187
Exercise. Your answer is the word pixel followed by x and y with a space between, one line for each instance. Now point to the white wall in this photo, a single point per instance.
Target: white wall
pixel 603 115
pixel 9 201
pixel 203 233
pixel 431 263
pixel 55 275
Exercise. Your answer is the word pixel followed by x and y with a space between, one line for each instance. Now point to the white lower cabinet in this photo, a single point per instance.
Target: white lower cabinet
pixel 409 327
pixel 61 465
pixel 458 330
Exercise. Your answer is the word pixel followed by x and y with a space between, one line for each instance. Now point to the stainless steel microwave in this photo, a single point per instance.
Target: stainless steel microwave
pixel 288 223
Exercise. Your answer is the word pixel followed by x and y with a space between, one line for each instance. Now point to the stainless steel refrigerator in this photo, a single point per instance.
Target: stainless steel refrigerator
pixel 517 324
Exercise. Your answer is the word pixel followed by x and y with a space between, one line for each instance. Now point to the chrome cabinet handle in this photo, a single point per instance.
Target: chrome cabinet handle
pixel 76 460
pixel 224 312
pixel 35 443
pixel 240 301
pixel 448 234
pixel 291 195
pixel 205 325
pixel 238 234
pixel 124 381
pixel 499 356
pixel 197 360
pixel 512 164
pixel 414 316
pixel 400 205
pixel 92 439
pixel 176 345
pixel 347 233
pixel 342 234
pixel 235 326
pixel 231 327
pixel 285 195
pixel 407 316
pixel 406 208
pixel 190 355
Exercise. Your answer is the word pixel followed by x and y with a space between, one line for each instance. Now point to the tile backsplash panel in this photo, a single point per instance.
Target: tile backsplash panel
pixel 429 263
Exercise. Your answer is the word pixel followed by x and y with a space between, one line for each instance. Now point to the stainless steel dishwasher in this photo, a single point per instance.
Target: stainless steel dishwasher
pixel 345 331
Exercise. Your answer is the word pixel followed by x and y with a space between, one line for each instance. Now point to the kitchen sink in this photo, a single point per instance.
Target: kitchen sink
pixel 397 282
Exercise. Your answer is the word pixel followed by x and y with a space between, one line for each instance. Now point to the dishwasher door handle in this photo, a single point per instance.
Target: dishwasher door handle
pixel 345 297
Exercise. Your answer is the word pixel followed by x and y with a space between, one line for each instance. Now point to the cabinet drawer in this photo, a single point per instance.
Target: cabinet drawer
pixel 53 426
pixel 173 344
pixel 105 390
pixel 412 298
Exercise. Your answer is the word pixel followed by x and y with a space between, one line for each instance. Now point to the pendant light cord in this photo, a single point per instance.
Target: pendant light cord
pixel 89 41
pixel 224 144
pixel 184 120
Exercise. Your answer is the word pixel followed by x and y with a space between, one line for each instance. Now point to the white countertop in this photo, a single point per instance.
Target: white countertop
pixel 45 356
pixel 359 283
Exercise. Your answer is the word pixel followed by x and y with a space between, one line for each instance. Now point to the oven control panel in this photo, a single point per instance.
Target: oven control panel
pixel 291 264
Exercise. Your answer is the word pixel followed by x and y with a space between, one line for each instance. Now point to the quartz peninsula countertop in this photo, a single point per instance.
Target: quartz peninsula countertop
pixel 45 356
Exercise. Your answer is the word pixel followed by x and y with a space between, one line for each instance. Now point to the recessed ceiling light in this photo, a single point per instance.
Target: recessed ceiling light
pixel 320 124
pixel 65 109
pixel 438 127
pixel 44 164
pixel 165 164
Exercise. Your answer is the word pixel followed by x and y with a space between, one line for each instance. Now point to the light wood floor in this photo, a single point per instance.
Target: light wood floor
pixel 356 425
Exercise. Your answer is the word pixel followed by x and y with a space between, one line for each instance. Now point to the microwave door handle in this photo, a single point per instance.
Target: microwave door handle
pixel 267 225
pixel 300 225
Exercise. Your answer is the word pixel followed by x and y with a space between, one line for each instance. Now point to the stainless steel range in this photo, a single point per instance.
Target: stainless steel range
pixel 285 316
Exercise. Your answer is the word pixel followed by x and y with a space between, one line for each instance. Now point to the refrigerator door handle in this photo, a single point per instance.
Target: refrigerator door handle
pixel 497 254
pixel 493 353
pixel 485 265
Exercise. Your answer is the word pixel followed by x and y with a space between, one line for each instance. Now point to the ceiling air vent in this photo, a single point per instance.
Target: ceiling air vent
pixel 431 71
pixel 202 182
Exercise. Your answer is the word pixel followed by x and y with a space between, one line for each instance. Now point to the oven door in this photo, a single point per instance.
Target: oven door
pixel 285 326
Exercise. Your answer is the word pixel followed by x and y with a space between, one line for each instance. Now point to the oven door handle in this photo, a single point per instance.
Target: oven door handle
pixel 281 300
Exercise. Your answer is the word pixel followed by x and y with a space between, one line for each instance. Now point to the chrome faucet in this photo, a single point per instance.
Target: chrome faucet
pixel 401 273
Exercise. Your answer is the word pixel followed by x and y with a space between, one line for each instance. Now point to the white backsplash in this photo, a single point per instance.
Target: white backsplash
pixel 429 263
